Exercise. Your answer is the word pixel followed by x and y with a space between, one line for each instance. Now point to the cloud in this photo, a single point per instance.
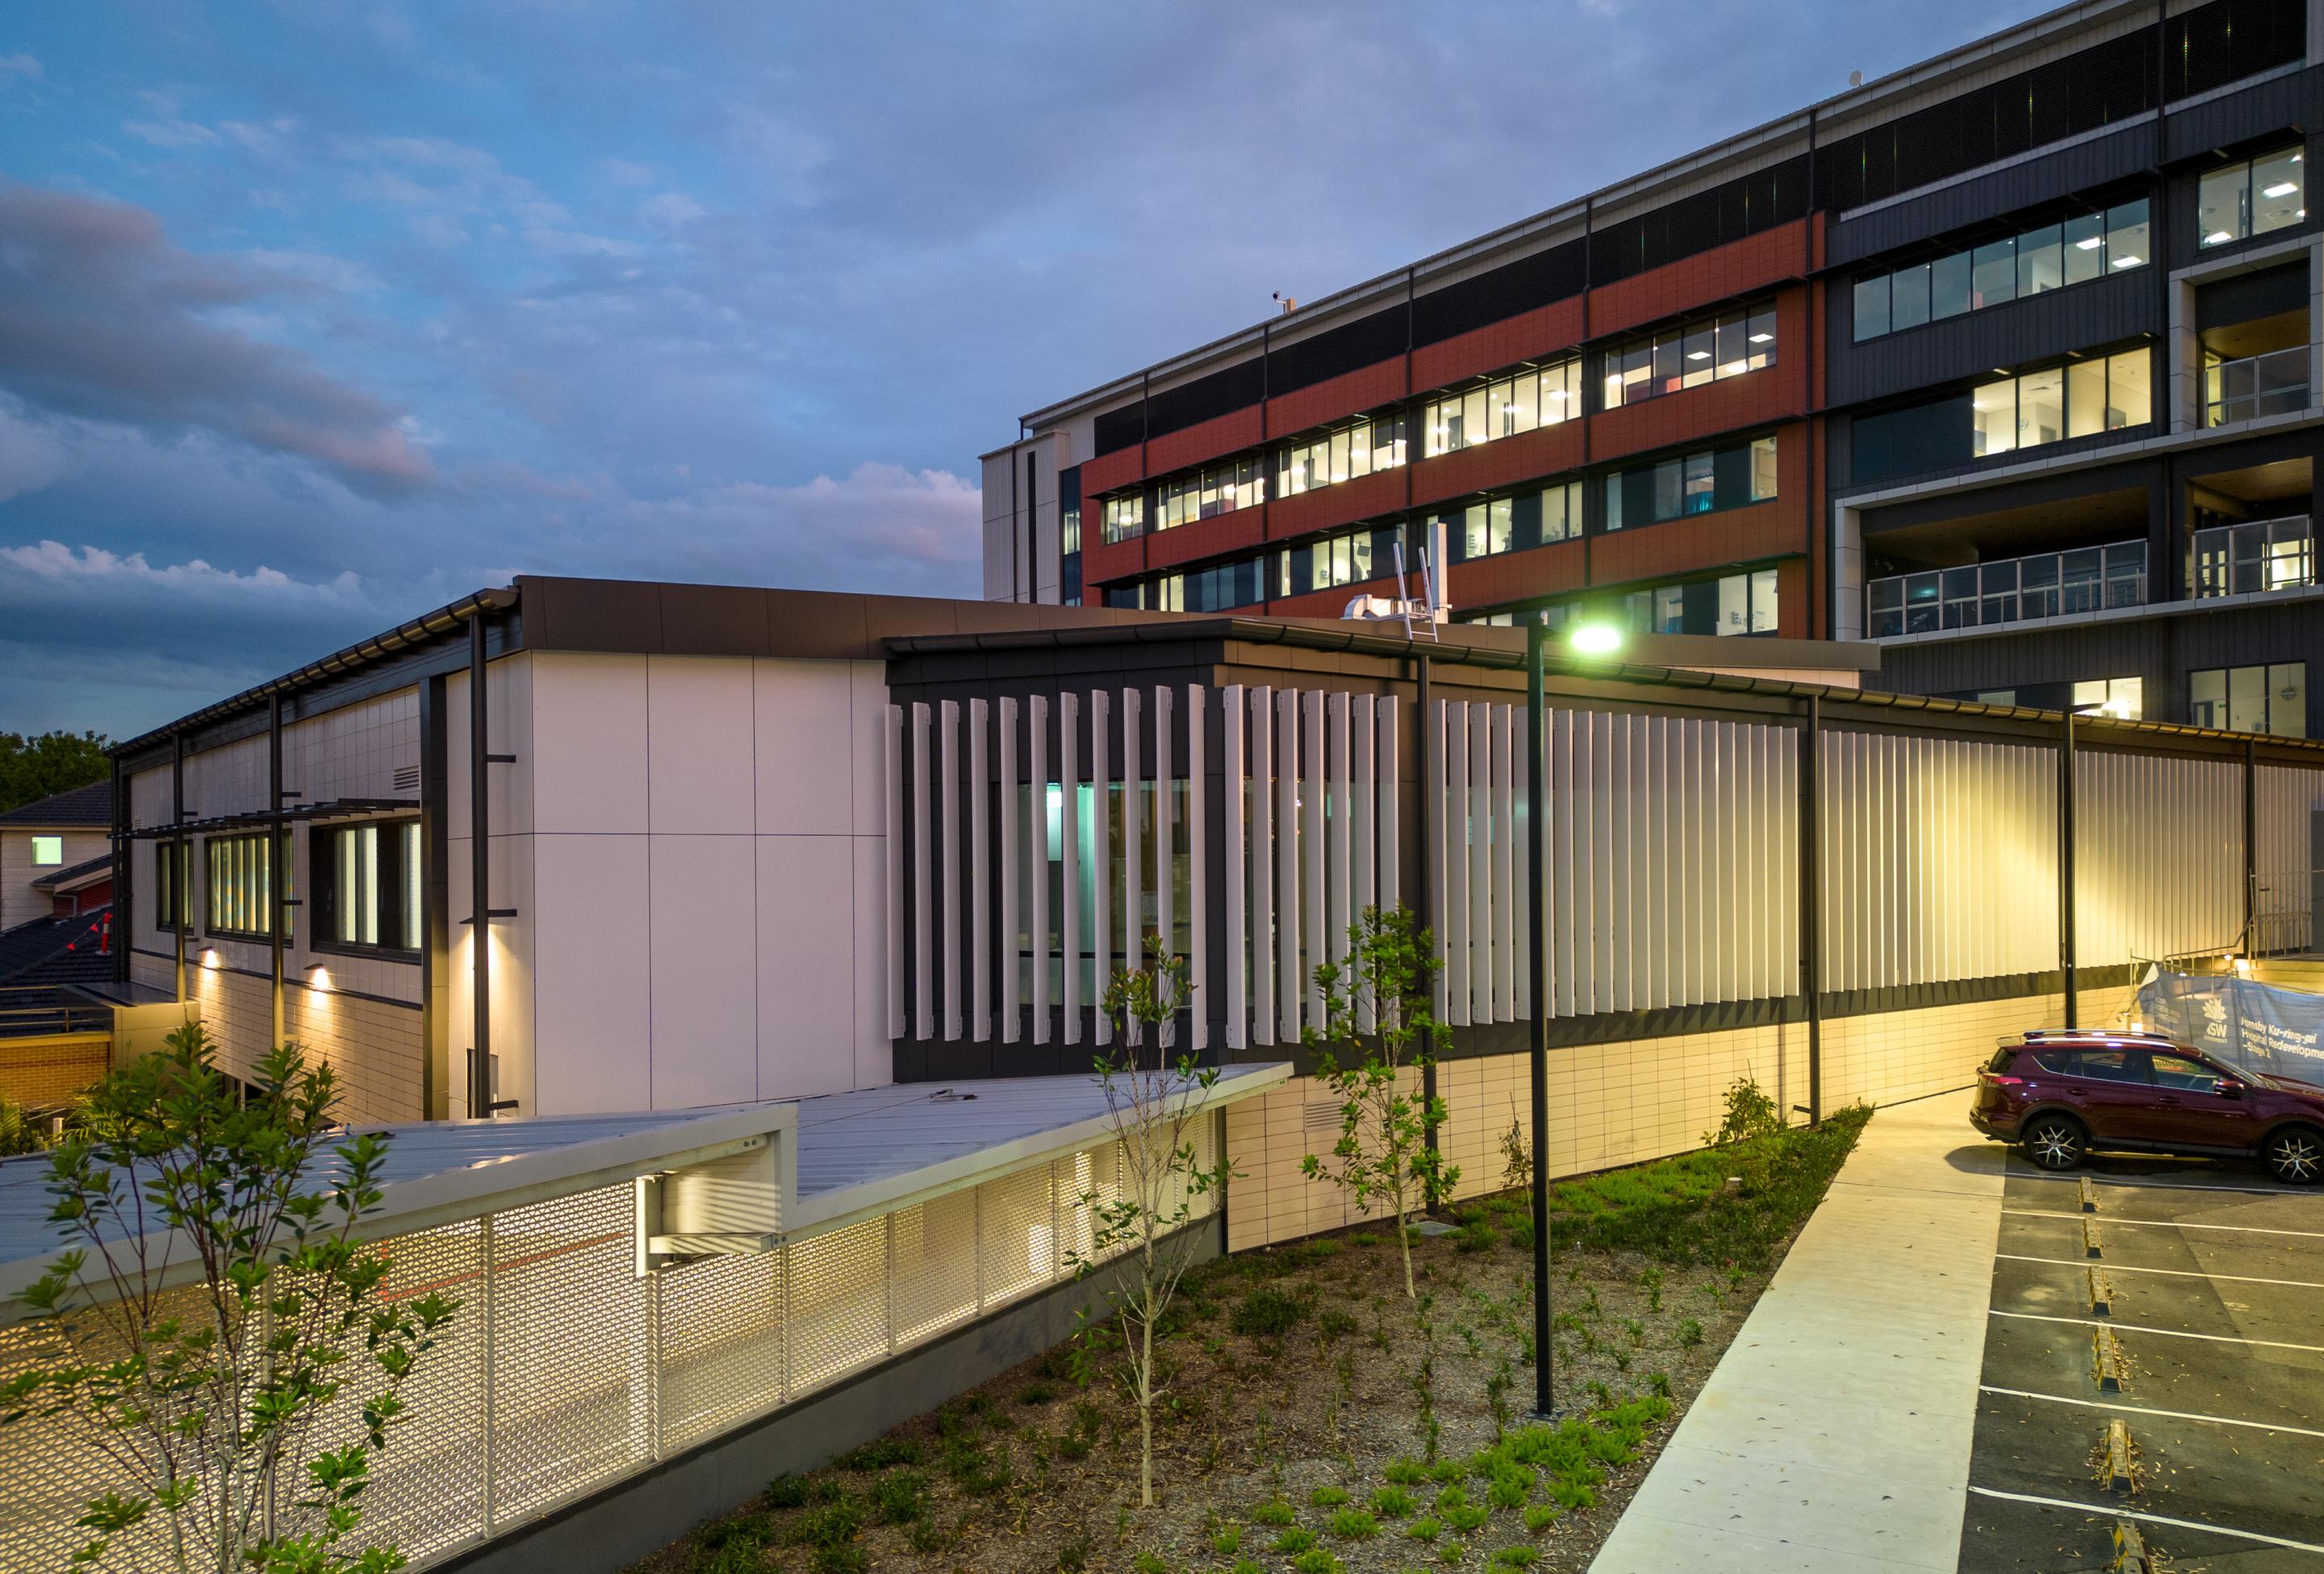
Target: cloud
pixel 673 209
pixel 22 68
pixel 102 316
pixel 164 127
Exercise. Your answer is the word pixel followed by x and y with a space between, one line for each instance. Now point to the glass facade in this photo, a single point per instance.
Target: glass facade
pixel 2261 554
pixel 2274 383
pixel 2273 699
pixel 2049 256
pixel 2080 399
pixel 1216 489
pixel 1123 516
pixel 1512 524
pixel 1347 558
pixel 2252 197
pixel 1348 453
pixel 1213 589
pixel 366 880
pixel 1689 355
pixel 241 886
pixel 1733 604
pixel 1699 483
pixel 1504 408
pixel 2008 590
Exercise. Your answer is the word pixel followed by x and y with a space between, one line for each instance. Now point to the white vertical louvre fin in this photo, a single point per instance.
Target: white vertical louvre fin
pixel 1261 939
pixel 980 855
pixel 948 802
pixel 897 959
pixel 1234 834
pixel 1198 864
pixel 1037 836
pixel 1069 901
pixel 1100 861
pixel 1012 845
pixel 1133 874
pixel 1386 807
pixel 923 991
pixel 1288 889
pixel 1314 861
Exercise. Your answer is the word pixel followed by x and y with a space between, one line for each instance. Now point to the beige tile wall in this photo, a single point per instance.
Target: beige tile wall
pixel 1621 1103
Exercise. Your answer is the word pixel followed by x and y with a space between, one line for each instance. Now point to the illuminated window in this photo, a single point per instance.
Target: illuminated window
pixel 1348 454
pixel 1699 483
pixel 48 851
pixel 1213 490
pixel 2271 699
pixel 367 886
pixel 2252 197
pixel 1504 407
pixel 1124 516
pixel 241 886
pixel 2034 262
pixel 1689 355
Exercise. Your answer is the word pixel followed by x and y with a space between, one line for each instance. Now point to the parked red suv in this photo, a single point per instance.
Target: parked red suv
pixel 2059 1094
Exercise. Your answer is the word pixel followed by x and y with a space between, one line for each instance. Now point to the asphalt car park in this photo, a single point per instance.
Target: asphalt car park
pixel 2203 1335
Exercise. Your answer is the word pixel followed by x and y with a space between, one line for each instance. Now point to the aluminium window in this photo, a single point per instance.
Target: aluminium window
pixel 1689 355
pixel 172 877
pixel 241 890
pixel 366 880
pixel 1698 483
pixel 2271 699
pixel 1350 558
pixel 2084 399
pixel 2123 698
pixel 1531 518
pixel 48 851
pixel 1348 453
pixel 2252 197
pixel 2034 262
pixel 1213 490
pixel 1124 516
pixel 1504 407
pixel 1217 589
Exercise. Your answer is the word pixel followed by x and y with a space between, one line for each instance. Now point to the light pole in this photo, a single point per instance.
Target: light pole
pixel 1538 949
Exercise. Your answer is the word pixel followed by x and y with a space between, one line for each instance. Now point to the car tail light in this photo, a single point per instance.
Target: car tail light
pixel 2000 1079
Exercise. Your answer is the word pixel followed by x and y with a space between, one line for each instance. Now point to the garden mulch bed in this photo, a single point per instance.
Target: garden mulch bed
pixel 1318 1420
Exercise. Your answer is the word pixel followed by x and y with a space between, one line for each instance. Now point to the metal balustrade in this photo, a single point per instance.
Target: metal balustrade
pixel 2008 590
pixel 2274 383
pixel 2254 555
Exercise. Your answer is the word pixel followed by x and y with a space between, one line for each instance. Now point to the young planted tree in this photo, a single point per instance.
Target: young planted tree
pixel 217 1323
pixel 1379 1036
pixel 1155 1105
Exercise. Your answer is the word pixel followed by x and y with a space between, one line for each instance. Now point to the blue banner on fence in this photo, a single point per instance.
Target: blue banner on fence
pixel 2276 1033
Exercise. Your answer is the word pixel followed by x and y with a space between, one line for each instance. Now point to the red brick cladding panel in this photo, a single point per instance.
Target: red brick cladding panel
pixel 1774 529
pixel 1332 602
pixel 1365 388
pixel 1739 266
pixel 1794 617
pixel 1207 439
pixel 1103 564
pixel 1721 406
pixel 1111 472
pixel 1544 452
pixel 1522 338
pixel 1205 538
pixel 1516 575
pixel 1344 503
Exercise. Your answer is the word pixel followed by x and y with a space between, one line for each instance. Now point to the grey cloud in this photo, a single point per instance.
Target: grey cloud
pixel 102 316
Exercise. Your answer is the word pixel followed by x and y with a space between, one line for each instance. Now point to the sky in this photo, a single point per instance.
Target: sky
pixel 315 316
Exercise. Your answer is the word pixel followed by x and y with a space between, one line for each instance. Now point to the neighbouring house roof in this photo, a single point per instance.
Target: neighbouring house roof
pixel 857 1154
pixel 56 950
pixel 79 875
pixel 89 806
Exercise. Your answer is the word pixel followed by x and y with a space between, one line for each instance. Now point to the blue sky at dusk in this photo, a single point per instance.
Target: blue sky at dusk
pixel 314 316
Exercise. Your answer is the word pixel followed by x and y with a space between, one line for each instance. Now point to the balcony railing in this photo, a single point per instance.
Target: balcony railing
pixel 2260 554
pixel 2008 590
pixel 2274 383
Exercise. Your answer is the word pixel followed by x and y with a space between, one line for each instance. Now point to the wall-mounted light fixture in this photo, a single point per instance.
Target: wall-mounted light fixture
pixel 1595 639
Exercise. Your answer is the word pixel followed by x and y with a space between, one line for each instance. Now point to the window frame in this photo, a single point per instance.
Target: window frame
pixel 55 842
pixel 1874 295
pixel 1653 365
pixel 212 847
pixel 322 860
pixel 170 885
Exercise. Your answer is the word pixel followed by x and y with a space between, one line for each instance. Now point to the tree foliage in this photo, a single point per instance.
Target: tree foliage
pixel 1154 1102
pixel 39 766
pixel 223 1336
pixel 1379 1036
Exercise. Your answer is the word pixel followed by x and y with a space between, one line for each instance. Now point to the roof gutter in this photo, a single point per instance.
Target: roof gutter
pixel 362 654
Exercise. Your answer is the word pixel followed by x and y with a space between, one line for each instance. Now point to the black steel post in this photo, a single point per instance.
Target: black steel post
pixel 2066 862
pixel 277 873
pixel 1432 790
pixel 2251 848
pixel 124 902
pixel 180 866
pixel 1812 898
pixel 480 869
pixel 1537 973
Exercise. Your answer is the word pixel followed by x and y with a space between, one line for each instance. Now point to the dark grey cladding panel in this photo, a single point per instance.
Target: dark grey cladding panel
pixel 2296 100
pixel 2117 156
pixel 2135 476
pixel 2057 323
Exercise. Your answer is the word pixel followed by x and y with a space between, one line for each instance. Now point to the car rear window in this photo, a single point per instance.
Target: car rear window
pixel 2001 1058
pixel 2092 1065
pixel 2056 1062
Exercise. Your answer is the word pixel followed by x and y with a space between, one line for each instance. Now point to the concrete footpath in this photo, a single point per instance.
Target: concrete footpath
pixel 1835 1432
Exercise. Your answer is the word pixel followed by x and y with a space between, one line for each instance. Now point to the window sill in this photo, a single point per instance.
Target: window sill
pixel 365 953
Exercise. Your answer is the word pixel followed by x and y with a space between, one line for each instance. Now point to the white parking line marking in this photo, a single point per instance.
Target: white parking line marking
pixel 2113 1267
pixel 2248 1229
pixel 2116 1511
pixel 2257 1426
pixel 2133 1327
pixel 2158 1185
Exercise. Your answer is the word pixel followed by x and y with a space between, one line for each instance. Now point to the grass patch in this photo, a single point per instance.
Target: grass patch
pixel 1678 1210
pixel 1269 1312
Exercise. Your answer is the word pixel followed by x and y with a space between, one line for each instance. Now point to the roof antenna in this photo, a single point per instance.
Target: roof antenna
pixel 1286 302
pixel 1856 79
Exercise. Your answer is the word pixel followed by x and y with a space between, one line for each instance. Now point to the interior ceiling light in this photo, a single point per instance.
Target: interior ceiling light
pixel 1691 355
pixel 1756 338
pixel 2091 245
pixel 2281 189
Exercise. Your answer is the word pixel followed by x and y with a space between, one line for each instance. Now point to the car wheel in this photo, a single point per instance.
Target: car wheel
pixel 2296 1155
pixel 2055 1143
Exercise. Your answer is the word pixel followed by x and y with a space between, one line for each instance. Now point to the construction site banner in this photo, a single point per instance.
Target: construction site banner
pixel 2275 1032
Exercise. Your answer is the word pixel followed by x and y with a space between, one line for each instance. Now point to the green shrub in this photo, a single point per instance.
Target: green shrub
pixel 1454 1496
pixel 1334 1323
pixel 733 1558
pixel 1328 1497
pixel 1227 1541
pixel 1689 1333
pixel 1515 1557
pixel 786 1492
pixel 1407 1472
pixel 840 1561
pixel 1036 1393
pixel 1265 1311
pixel 1275 1511
pixel 1541 1516
pixel 1466 1520
pixel 1510 1489
pixel 1394 1502
pixel 1150 1563
pixel 1249 1566
pixel 1452 1552
pixel 881 1453
pixel 1476 1237
pixel 1354 1524
pixel 1294 1541
pixel 1426 1528
pixel 744 1529
pixel 1316 1561
pixel 831 1525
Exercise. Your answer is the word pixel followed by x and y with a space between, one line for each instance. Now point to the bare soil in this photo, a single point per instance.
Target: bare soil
pixel 1037 1470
